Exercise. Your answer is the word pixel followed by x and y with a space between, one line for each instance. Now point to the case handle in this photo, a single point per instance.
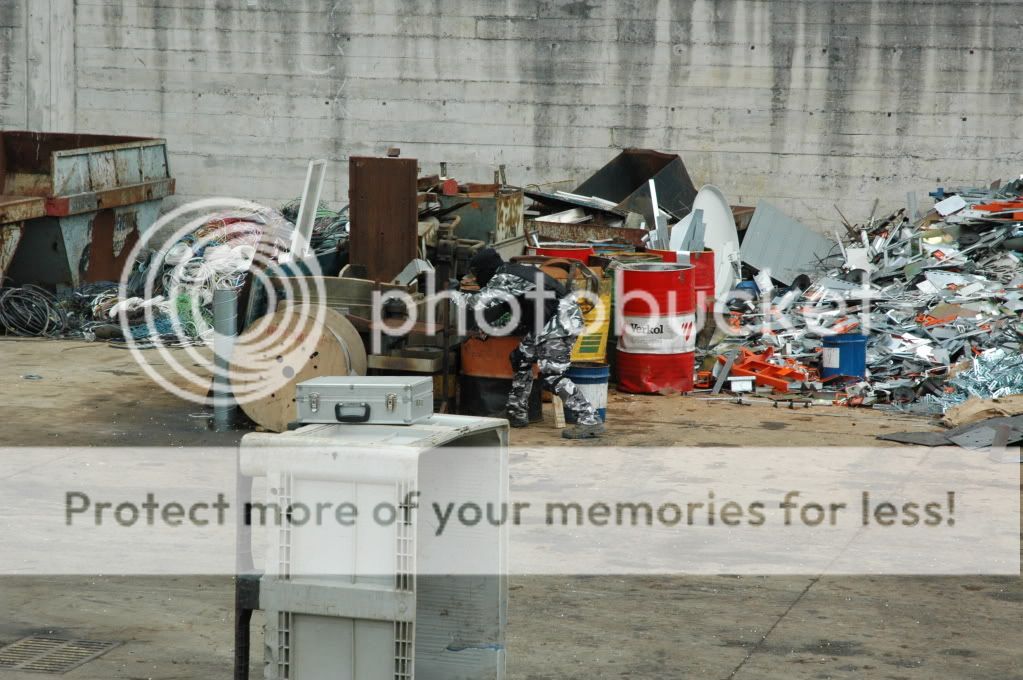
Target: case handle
pixel 354 417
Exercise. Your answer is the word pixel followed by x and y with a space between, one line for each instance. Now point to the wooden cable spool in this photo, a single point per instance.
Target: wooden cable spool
pixel 279 350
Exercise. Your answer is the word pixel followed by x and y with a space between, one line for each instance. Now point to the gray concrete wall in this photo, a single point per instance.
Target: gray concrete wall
pixel 805 102
pixel 13 61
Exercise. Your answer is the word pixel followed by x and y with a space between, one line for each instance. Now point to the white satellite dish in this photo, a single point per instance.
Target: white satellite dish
pixel 719 235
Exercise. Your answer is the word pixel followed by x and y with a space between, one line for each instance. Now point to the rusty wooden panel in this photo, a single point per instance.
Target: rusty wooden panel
pixel 384 222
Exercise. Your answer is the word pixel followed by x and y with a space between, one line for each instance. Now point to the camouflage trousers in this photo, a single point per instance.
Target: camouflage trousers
pixel 554 356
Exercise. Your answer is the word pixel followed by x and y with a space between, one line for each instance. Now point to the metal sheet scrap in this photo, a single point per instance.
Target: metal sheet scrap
pixel 939 297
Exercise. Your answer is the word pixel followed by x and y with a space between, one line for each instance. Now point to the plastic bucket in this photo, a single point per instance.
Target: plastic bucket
pixel 655 306
pixel 844 355
pixel 591 379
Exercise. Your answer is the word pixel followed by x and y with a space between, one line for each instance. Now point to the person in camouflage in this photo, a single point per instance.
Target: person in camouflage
pixel 551 321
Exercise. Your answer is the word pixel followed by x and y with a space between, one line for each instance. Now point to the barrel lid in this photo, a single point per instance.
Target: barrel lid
pixel 656 266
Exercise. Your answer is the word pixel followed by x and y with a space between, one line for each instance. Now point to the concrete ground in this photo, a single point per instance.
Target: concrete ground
pixel 559 627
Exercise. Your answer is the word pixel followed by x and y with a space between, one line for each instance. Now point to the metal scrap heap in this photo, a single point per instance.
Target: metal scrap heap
pixel 938 298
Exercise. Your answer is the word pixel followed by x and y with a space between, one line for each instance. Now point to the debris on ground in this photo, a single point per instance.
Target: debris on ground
pixel 937 298
pixel 906 312
pixel 974 410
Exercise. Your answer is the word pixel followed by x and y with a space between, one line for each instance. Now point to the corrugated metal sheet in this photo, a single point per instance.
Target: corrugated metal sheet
pixel 777 242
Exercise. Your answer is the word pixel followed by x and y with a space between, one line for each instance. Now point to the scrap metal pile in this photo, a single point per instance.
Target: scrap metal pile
pixel 938 299
pixel 217 254
pixel 928 305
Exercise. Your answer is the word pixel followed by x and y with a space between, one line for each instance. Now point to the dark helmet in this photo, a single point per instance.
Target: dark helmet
pixel 484 264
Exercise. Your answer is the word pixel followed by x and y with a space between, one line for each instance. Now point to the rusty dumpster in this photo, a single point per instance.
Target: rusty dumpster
pixel 72 206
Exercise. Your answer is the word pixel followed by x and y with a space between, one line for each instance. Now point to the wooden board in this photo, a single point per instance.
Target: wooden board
pixel 558 412
pixel 384 224
pixel 337 350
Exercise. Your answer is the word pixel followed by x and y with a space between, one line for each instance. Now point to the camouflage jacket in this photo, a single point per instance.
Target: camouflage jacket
pixel 567 321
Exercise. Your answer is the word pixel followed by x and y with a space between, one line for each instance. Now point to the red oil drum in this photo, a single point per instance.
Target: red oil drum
pixel 566 251
pixel 669 256
pixel 703 262
pixel 655 307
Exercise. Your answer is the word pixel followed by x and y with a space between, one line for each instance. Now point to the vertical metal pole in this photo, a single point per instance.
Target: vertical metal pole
pixel 911 207
pixel 225 328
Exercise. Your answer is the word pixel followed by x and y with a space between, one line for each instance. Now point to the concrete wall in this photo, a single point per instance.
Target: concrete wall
pixel 805 102
pixel 12 64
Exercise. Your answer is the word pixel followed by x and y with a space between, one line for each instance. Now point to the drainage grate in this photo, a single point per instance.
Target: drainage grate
pixel 51 655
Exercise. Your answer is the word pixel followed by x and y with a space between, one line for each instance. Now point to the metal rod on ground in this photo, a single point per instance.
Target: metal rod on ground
pixel 725 371
pixel 225 328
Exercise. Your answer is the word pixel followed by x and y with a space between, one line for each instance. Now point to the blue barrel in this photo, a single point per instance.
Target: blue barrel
pixel 844 355
pixel 748 286
pixel 591 378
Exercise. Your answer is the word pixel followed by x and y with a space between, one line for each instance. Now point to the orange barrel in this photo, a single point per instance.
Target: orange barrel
pixel 486 378
pixel 490 358
pixel 656 310
pixel 567 251
pixel 703 262
pixel 669 256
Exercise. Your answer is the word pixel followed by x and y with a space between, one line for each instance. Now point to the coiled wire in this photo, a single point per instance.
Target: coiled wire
pixel 31 311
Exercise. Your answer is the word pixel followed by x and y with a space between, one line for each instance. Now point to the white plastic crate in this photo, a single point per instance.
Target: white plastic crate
pixel 372 602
